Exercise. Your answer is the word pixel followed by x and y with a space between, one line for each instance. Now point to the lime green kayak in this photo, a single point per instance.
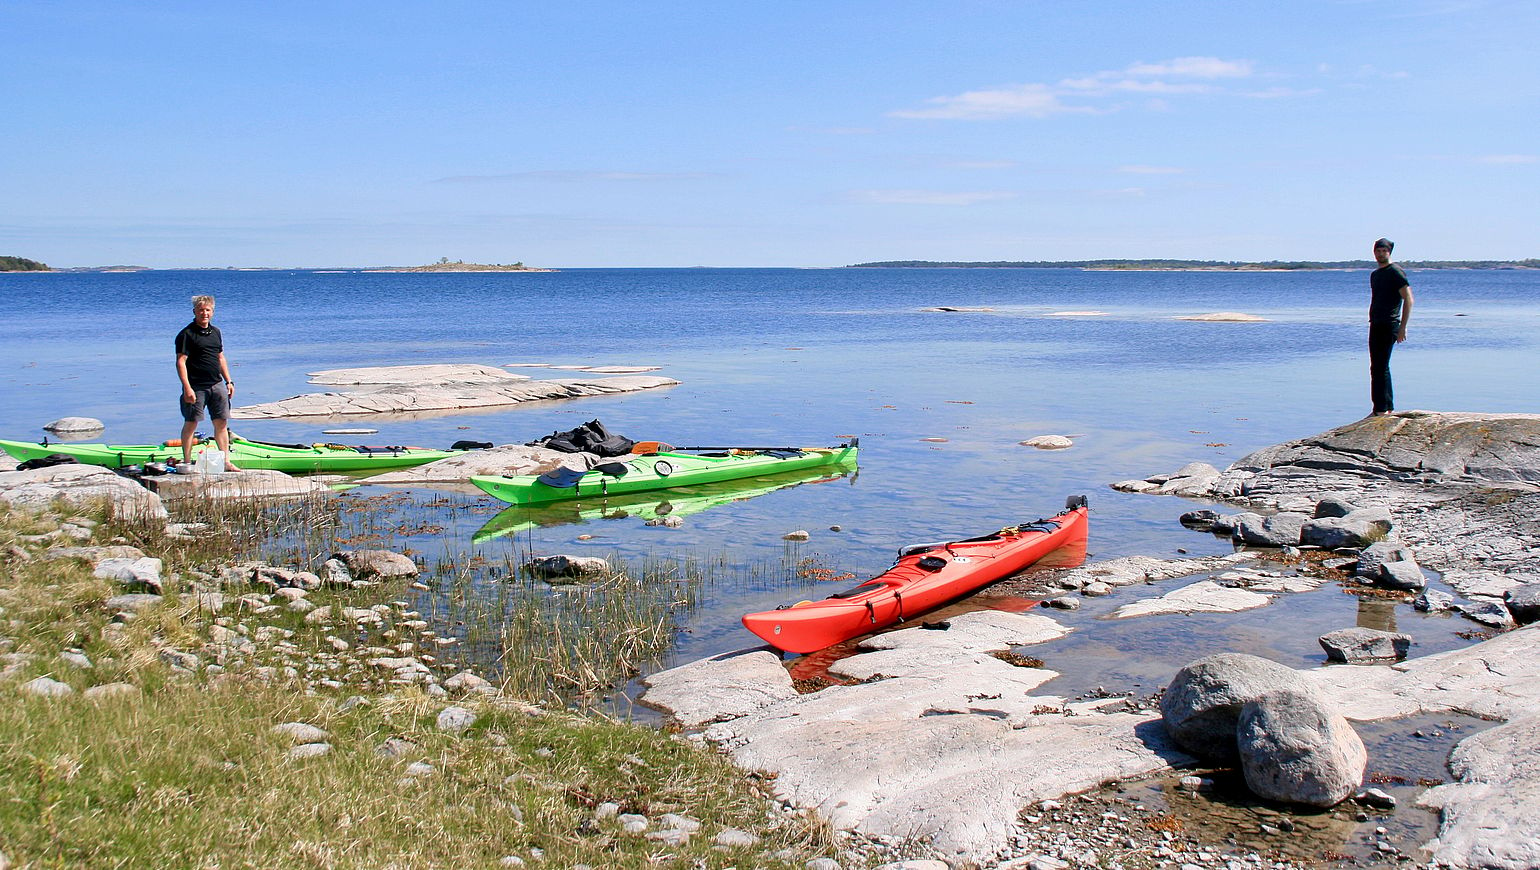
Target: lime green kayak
pixel 290 458
pixel 681 502
pixel 666 470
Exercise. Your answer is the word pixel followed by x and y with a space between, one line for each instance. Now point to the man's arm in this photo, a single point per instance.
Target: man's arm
pixel 1406 311
pixel 224 369
pixel 181 372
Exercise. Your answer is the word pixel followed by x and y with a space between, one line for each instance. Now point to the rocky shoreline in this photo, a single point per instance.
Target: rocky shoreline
pixel 937 735
pixel 936 746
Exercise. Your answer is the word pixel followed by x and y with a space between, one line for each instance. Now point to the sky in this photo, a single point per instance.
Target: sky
pixel 793 133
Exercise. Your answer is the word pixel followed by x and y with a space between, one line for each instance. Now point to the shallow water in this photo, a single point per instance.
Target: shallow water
pixel 815 356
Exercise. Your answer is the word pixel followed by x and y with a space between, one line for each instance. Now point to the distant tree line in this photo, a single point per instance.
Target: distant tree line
pixel 1530 263
pixel 21 264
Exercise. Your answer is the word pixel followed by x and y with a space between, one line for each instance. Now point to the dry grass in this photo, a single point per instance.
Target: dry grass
pixel 186 772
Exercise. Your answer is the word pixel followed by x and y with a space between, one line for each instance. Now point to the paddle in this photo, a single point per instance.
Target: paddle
pixel 665 447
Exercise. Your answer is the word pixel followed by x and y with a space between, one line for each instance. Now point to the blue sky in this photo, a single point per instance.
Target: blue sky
pixel 766 134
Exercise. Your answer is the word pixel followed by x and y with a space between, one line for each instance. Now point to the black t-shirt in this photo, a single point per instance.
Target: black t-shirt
pixel 1385 285
pixel 202 347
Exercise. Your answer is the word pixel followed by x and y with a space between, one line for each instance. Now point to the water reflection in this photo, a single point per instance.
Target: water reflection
pixel 652 507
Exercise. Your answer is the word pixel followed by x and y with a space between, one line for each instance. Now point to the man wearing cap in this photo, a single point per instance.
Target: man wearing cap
pixel 1390 307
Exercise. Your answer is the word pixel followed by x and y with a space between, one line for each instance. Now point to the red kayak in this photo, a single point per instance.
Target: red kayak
pixel 924 577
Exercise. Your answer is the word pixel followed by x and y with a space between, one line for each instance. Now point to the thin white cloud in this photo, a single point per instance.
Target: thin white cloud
pixel 984 164
pixel 931 197
pixel 571 175
pixel 1075 95
pixel 1195 67
pixel 1508 159
pixel 1034 101
pixel 1152 170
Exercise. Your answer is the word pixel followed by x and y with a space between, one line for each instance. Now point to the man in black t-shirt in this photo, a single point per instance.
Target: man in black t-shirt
pixel 205 376
pixel 1390 307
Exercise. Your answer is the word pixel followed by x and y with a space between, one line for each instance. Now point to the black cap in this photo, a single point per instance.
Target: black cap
pixel 1387 244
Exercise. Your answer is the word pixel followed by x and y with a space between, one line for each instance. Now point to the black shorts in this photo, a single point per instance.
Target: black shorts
pixel 216 398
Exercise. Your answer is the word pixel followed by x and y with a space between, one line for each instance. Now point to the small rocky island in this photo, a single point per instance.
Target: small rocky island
pixel 447 265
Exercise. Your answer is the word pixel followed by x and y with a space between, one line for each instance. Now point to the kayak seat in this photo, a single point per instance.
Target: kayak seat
pixel 613 469
pixel 784 454
pixel 859 590
pixel 562 477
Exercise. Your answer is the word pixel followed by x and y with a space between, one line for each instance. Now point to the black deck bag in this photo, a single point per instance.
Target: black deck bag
pixel 46 461
pixel 591 437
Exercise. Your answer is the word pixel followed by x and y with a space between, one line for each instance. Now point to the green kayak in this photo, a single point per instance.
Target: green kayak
pixel 666 470
pixel 290 458
pixel 681 502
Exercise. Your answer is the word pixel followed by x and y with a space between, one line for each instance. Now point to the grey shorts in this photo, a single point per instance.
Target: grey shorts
pixel 216 398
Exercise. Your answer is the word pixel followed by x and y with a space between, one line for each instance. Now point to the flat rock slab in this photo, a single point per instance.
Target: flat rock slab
pixel 509 460
pixel 1488 816
pixel 82 486
pixel 234 485
pixel 1133 570
pixel 410 398
pixel 1224 317
pixel 415 376
pixel 1205 596
pixel 960 780
pixel 942 740
pixel 720 687
pixel 982 630
pixel 1406 445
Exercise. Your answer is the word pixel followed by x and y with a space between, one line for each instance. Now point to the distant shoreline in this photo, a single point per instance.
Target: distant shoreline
pixel 1198 265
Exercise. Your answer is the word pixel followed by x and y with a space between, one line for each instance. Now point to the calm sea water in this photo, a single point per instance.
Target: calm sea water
pixel 783 356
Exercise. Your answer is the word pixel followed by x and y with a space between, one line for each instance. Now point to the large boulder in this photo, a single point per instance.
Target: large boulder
pixel 1202 706
pixel 1294 749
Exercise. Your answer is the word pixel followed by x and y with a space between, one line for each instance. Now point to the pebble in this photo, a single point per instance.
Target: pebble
pixel 300 732
pixel 455 720
pixel 310 750
pixel 733 838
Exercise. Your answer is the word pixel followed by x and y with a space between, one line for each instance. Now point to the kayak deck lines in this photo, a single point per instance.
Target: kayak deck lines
pixel 923 577
pixel 661 470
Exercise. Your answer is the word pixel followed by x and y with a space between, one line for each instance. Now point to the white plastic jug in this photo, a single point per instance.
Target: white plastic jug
pixel 211 462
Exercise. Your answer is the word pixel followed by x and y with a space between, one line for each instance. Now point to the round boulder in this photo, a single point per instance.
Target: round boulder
pixel 75 424
pixel 1296 750
pixel 377 564
pixel 1202 705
